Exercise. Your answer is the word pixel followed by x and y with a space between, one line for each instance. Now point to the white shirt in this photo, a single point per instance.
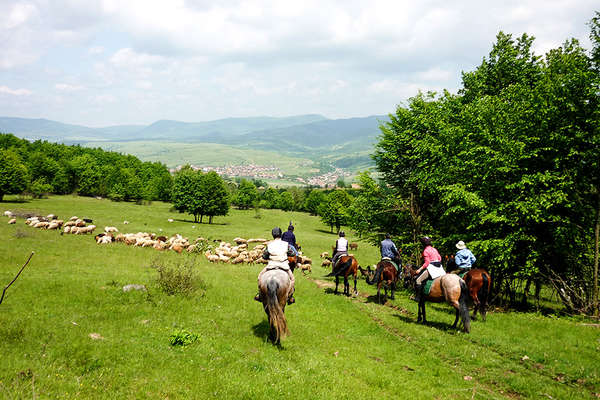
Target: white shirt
pixel 342 245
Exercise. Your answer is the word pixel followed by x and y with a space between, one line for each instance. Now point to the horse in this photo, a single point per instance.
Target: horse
pixel 479 283
pixel 346 265
pixel 385 275
pixel 274 286
pixel 450 288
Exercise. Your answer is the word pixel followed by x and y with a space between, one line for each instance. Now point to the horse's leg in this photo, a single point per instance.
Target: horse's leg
pixel 336 284
pixel 473 293
pixel 455 320
pixel 379 293
pixel 346 286
pixel 419 316
pixel 393 287
pixel 355 278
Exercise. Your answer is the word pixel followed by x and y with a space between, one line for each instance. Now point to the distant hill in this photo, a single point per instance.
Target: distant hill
pixel 346 143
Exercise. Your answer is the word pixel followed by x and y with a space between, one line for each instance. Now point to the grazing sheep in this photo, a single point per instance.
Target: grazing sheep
pixel 8 214
pixel 353 246
pixel 177 247
pixel 324 254
pixel 305 260
pixel 73 218
pixel 110 229
pixel 239 240
pixel 125 222
pixel 306 268
pixel 170 220
pixel 326 263
pixel 12 221
pixel 51 216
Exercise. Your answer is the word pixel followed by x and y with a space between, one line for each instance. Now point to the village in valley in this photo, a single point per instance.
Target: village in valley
pixel 253 171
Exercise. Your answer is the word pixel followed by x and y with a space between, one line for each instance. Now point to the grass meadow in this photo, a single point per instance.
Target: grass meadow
pixel 68 330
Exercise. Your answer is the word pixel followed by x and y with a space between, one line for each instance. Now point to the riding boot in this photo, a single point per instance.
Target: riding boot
pixel 418 292
pixel 291 299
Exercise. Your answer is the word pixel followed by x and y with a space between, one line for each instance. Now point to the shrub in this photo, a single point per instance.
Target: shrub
pixel 178 278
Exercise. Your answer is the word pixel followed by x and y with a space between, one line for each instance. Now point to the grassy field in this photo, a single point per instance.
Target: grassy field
pixel 338 348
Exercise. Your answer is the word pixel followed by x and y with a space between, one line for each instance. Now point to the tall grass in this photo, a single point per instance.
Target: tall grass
pixel 68 330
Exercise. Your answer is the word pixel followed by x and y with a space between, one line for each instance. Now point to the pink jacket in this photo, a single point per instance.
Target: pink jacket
pixel 430 254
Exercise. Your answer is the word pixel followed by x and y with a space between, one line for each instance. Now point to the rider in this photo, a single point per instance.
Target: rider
pixel 288 236
pixel 277 253
pixel 431 257
pixel 341 248
pixel 389 250
pixel 464 258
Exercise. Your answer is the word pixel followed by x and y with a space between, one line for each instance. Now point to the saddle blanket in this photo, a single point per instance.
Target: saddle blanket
pixel 427 287
pixel 392 262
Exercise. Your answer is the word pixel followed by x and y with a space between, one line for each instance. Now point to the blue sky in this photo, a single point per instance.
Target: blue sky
pixel 109 62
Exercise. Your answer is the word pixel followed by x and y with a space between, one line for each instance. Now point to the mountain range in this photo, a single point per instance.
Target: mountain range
pixel 310 136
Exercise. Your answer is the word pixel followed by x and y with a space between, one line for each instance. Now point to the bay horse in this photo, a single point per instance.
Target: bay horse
pixel 385 275
pixel 479 283
pixel 346 265
pixel 450 288
pixel 274 286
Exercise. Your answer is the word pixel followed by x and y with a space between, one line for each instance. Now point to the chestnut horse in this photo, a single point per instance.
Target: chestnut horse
pixel 345 266
pixel 274 285
pixel 479 283
pixel 449 288
pixel 385 275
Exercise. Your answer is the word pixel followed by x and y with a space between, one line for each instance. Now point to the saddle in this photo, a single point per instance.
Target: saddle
pixel 394 263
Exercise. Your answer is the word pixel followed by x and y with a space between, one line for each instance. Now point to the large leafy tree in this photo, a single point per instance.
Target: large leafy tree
pixel 215 196
pixel 13 173
pixel 334 210
pixel 188 193
pixel 246 194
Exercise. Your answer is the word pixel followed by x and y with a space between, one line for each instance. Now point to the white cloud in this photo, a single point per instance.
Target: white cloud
pixel 14 92
pixel 65 87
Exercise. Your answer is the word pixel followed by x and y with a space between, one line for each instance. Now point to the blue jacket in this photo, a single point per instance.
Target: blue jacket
pixel 288 236
pixel 464 258
pixel 388 249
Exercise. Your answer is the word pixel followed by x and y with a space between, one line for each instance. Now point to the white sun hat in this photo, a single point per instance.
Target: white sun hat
pixel 461 245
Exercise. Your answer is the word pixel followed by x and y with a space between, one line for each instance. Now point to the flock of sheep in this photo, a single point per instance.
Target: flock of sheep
pixel 248 251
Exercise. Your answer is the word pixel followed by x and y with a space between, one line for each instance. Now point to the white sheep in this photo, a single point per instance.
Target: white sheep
pixel 12 221
pixel 110 229
pixel 8 214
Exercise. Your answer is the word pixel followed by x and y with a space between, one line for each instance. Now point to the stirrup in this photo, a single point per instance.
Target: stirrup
pixel 291 300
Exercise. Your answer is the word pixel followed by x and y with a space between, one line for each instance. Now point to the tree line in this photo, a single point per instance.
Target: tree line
pixel 41 167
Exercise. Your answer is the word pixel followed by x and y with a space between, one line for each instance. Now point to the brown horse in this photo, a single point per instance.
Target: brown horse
pixel 479 283
pixel 449 288
pixel 385 275
pixel 345 266
pixel 274 286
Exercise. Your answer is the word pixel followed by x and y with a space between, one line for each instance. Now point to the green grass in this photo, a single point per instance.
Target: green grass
pixel 338 348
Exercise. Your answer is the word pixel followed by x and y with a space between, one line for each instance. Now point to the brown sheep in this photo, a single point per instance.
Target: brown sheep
pixel 353 246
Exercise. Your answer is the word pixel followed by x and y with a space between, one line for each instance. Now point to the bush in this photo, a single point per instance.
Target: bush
pixel 178 278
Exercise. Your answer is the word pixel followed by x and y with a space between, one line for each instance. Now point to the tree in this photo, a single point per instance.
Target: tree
pixel 313 201
pixel 334 211
pixel 285 201
pixel 246 194
pixel 13 174
pixel 188 193
pixel 215 197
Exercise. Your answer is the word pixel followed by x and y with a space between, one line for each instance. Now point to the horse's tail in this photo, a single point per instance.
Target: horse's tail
pixel 377 276
pixel 463 308
pixel 341 267
pixel 484 291
pixel 276 316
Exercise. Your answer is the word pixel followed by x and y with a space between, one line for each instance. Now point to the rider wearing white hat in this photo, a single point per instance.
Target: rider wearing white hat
pixel 464 258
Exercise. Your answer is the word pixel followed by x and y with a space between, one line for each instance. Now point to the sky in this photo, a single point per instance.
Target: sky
pixel 118 62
